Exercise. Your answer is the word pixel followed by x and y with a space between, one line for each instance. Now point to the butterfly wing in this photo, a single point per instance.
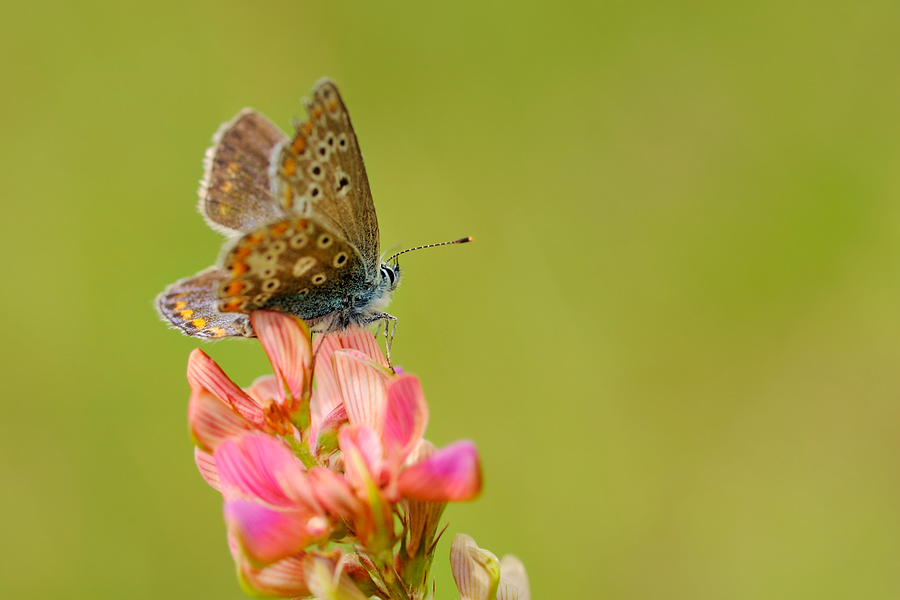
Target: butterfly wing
pixel 320 173
pixel 191 305
pixel 235 192
pixel 297 266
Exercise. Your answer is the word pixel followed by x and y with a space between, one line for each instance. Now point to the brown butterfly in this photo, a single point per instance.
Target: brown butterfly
pixel 302 227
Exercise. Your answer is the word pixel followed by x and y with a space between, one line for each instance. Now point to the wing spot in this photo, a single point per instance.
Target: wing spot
pixel 340 260
pixel 199 322
pixel 314 191
pixel 342 141
pixel 325 240
pixel 180 305
pixel 318 279
pixel 280 229
pixel 268 272
pixel 234 288
pixel 330 139
pixel 298 241
pixel 217 332
pixel 233 305
pixel 304 264
pixel 186 314
pixel 288 167
pixel 343 182
pixel 323 150
pixel 316 171
pixel 270 285
pixel 299 145
pixel 261 299
pixel 303 292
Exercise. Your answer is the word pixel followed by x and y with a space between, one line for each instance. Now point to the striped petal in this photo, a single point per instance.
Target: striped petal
pixel 286 341
pixel 328 582
pixel 206 464
pixel 405 420
pixel 513 580
pixel 211 421
pixel 267 534
pixel 363 455
pixel 476 571
pixel 363 388
pixel 203 372
pixel 283 579
pixel 265 389
pixel 261 467
pixel 450 474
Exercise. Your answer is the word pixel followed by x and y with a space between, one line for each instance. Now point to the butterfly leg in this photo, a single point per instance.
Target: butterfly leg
pixel 388 332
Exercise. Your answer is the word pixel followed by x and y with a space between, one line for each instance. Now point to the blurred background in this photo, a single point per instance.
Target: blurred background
pixel 675 340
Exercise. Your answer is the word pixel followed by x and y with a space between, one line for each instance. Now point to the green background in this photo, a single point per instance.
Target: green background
pixel 675 341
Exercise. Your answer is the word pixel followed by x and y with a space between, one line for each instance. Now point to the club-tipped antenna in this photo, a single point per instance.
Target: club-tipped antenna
pixel 459 241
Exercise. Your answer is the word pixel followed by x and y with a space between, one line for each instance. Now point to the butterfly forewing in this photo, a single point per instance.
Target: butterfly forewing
pixel 235 192
pixel 320 172
pixel 191 305
pixel 298 266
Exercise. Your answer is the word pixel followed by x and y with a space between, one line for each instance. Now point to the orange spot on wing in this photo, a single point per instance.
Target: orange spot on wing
pixel 242 253
pixel 299 144
pixel 233 167
pixel 288 167
pixel 301 224
pixel 307 127
pixel 317 111
pixel 279 229
pixel 199 322
pixel 253 239
pixel 217 331
pixel 332 106
pixel 186 314
pixel 232 305
pixel 234 288
pixel 180 305
pixel 288 197
pixel 226 186
pixel 238 268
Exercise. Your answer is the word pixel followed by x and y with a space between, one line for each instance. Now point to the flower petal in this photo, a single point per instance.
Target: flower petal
pixel 476 571
pixel 362 384
pixel 363 455
pixel 261 467
pixel 406 418
pixel 267 534
pixel 211 420
pixel 326 435
pixel 513 575
pixel 328 582
pixel 203 372
pixel 283 579
pixel 334 493
pixel 450 474
pixel 264 390
pixel 207 467
pixel 286 341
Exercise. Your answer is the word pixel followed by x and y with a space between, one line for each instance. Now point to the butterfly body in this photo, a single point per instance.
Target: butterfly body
pixel 303 234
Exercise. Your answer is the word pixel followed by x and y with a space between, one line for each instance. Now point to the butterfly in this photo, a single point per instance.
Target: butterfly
pixel 303 235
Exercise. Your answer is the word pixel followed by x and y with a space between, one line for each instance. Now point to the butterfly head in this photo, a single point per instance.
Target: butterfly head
pixel 390 276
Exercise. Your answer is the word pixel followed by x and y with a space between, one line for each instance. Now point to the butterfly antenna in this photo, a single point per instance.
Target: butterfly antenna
pixel 459 241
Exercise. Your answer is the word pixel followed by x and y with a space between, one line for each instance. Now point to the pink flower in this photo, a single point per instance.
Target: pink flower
pixel 298 467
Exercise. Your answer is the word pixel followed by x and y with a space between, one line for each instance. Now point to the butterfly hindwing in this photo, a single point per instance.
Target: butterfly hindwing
pixel 320 173
pixel 297 266
pixel 235 192
pixel 191 305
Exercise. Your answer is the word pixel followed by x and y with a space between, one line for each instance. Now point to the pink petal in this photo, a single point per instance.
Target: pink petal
pixel 211 420
pixel 282 579
pixel 406 418
pixel 267 534
pixel 286 341
pixel 363 455
pixel 450 474
pixel 265 389
pixel 362 385
pixel 358 338
pixel 207 466
pixel 203 372
pixel 325 435
pixel 333 492
pixel 261 467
